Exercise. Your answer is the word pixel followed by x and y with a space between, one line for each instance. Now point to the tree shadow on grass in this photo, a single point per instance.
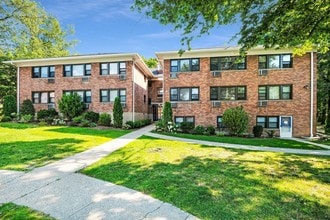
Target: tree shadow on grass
pixel 27 155
pixel 108 133
pixel 212 189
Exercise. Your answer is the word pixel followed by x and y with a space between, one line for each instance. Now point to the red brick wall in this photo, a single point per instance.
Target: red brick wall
pixel 205 114
pixel 95 83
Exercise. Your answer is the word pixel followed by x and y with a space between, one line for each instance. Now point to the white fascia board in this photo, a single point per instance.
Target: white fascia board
pixel 220 51
pixel 74 60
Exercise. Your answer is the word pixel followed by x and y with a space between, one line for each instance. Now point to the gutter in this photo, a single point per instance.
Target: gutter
pixel 133 93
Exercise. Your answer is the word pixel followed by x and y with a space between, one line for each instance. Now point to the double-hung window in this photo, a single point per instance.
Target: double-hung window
pixel 227 63
pixel 113 68
pixel 268 121
pixel 86 95
pixel 188 119
pixel 275 92
pixel 43 72
pixel 43 97
pixel 77 70
pixel 109 95
pixel 184 94
pixel 278 61
pixel 228 93
pixel 185 65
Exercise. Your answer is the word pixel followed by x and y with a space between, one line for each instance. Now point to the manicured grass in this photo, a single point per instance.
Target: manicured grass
pixel 218 183
pixel 26 146
pixel 262 142
pixel 15 212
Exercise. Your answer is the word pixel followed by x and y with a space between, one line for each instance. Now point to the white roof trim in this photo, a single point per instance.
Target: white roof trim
pixel 219 51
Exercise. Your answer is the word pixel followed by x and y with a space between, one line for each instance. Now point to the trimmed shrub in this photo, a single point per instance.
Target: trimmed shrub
pixel 91 116
pixel 117 113
pixel 77 120
pixel 235 120
pixel 167 115
pixel 104 119
pixel 257 131
pixel 199 129
pixel 210 130
pixel 71 105
pixel 186 127
pixel 138 123
pixel 47 114
pixel 27 108
pixel 9 105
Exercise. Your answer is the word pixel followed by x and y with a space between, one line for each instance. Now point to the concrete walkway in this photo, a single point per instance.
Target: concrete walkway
pixel 57 190
pixel 244 147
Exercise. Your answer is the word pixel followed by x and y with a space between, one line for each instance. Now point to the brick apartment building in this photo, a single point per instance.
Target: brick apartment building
pixel 277 90
pixel 98 79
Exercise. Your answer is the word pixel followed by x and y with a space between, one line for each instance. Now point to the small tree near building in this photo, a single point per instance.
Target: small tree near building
pixel 167 115
pixel 117 113
pixel 235 120
pixel 27 108
pixel 71 105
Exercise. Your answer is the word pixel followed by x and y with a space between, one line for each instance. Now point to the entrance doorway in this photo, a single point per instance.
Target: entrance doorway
pixel 286 126
pixel 155 112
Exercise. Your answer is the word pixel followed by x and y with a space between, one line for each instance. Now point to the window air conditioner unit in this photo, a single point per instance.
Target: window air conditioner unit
pixel 262 72
pixel 262 103
pixel 174 104
pixel 51 80
pixel 216 73
pixel 51 106
pixel 173 75
pixel 123 104
pixel 122 77
pixel 216 104
pixel 85 79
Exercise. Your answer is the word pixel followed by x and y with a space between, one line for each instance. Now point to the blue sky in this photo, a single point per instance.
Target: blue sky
pixel 110 26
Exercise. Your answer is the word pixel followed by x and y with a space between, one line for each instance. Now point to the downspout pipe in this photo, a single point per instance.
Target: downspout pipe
pixel 312 96
pixel 133 93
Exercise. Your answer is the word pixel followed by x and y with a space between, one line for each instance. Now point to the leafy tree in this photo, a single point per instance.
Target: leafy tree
pixel 9 105
pixel 151 62
pixel 71 105
pixel 28 31
pixel 235 120
pixel 117 113
pixel 27 108
pixel 272 23
pixel 7 79
pixel 167 115
pixel 323 84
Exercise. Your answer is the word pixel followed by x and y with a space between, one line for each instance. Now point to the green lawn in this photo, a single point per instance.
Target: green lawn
pixel 262 142
pixel 218 183
pixel 26 146
pixel 15 212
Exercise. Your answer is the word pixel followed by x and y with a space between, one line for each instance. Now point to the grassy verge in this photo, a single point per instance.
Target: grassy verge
pixel 25 146
pixel 12 211
pixel 262 142
pixel 217 183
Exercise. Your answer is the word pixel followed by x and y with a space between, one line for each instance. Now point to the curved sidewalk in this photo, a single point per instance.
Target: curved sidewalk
pixel 243 147
pixel 57 190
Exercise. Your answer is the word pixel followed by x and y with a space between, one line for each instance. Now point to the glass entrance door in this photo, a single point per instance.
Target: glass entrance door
pixel 286 126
